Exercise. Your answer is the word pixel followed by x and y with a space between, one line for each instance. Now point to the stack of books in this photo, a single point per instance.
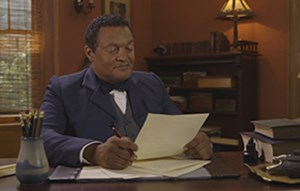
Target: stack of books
pixel 274 137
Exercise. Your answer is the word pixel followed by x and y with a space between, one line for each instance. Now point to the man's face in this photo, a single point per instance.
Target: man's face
pixel 114 57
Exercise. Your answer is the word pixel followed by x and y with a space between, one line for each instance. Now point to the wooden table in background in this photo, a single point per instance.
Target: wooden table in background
pixel 246 181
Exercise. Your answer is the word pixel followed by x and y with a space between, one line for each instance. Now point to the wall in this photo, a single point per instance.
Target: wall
pixel 271 31
pixel 294 59
pixel 69 27
pixel 166 21
pixel 192 20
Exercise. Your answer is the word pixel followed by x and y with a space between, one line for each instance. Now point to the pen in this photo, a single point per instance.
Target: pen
pixel 23 126
pixel 39 124
pixel 118 134
pixel 34 119
pixel 31 123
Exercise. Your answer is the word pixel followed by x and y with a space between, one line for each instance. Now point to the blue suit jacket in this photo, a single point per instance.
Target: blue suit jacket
pixel 77 112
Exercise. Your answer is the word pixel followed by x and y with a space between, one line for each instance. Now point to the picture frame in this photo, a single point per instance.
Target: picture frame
pixel 117 7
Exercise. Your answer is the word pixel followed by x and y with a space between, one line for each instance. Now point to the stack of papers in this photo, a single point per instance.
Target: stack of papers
pixel 144 171
pixel 7 170
pixel 160 143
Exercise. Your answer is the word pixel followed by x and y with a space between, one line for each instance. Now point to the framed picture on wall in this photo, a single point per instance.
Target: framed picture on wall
pixel 116 7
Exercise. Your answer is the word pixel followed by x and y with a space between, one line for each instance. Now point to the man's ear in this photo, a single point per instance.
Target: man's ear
pixel 89 53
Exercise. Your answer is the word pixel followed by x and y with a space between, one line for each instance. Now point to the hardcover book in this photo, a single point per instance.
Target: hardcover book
pixel 278 128
pixel 216 82
pixel 268 148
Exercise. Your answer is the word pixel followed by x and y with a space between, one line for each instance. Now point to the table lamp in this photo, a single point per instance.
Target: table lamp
pixel 235 10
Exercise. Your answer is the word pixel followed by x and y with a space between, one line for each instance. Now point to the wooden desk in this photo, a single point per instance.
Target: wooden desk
pixel 246 182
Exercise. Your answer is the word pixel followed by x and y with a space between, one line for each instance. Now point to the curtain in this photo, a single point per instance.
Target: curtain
pixel 20 55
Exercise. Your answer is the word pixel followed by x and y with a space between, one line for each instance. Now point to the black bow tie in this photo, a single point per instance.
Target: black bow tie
pixel 122 86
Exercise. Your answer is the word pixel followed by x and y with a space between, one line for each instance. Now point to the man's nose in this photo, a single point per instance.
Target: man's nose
pixel 122 54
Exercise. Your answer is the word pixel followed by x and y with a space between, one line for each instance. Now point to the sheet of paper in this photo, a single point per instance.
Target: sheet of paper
pixel 171 167
pixel 7 170
pixel 186 170
pixel 97 172
pixel 129 173
pixel 168 167
pixel 166 135
pixel 92 172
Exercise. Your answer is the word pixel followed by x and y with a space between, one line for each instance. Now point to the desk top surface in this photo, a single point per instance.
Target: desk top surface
pixel 246 181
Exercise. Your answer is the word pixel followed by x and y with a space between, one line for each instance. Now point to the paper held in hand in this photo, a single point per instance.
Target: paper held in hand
pixel 166 135
pixel 160 141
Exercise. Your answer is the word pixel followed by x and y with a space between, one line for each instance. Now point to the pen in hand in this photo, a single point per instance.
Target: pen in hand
pixel 118 134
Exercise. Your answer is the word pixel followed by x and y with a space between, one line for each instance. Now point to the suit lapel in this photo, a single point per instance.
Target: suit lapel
pixel 136 101
pixel 103 101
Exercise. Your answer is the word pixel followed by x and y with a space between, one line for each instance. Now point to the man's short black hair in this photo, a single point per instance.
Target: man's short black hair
pixel 91 33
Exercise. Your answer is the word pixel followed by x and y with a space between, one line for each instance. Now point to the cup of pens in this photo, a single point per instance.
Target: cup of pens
pixel 32 164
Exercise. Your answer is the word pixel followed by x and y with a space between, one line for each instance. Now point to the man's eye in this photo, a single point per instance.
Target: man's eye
pixel 112 49
pixel 129 49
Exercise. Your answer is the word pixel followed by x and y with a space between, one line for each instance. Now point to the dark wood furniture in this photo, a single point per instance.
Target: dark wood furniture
pixel 10 135
pixel 245 182
pixel 230 108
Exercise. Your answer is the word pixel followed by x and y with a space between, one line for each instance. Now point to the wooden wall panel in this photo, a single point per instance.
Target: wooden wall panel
pixel 294 58
pixel 10 138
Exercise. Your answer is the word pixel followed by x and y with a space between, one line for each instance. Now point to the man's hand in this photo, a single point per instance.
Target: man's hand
pixel 200 147
pixel 113 154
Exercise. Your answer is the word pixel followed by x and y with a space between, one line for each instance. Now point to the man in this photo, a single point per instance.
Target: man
pixel 82 108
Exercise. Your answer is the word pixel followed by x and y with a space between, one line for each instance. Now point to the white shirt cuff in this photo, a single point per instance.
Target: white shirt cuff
pixel 83 160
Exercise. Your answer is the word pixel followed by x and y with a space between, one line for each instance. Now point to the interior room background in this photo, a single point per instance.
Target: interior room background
pixel 156 22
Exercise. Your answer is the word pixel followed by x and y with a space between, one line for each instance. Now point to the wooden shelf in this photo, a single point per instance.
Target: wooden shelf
pixel 230 108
